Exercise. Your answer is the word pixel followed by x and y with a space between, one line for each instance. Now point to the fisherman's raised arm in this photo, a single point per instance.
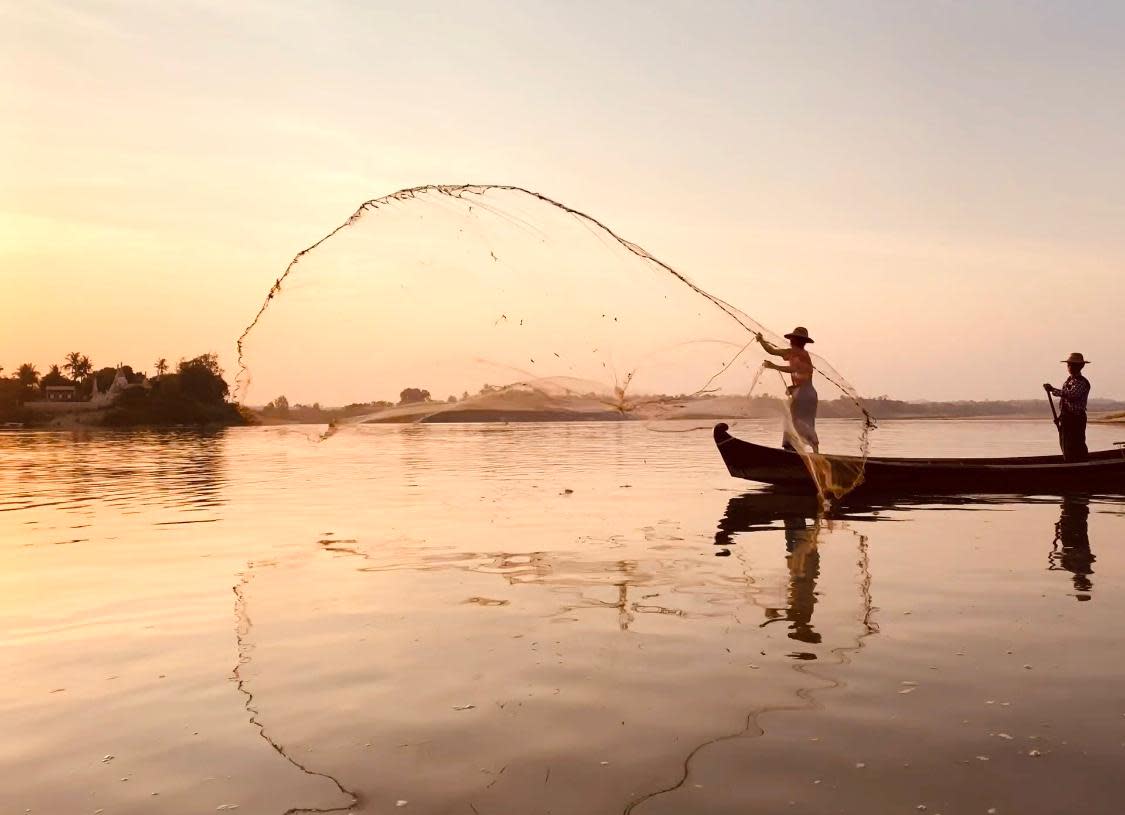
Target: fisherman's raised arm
pixel 770 348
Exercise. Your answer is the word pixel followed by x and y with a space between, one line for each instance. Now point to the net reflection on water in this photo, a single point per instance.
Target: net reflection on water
pixel 657 584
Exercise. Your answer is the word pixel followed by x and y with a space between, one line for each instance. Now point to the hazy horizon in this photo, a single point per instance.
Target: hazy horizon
pixel 935 191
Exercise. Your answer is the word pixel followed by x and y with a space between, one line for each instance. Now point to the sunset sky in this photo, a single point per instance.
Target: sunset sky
pixel 936 190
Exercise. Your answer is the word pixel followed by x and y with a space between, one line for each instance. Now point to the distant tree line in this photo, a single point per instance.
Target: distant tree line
pixel 882 407
pixel 194 393
pixel 281 409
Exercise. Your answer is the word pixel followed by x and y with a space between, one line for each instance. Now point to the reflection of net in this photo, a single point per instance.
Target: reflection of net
pixel 485 302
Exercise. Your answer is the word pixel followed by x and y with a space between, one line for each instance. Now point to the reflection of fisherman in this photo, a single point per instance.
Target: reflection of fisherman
pixel 1071 547
pixel 803 560
pixel 1072 409
pixel 802 394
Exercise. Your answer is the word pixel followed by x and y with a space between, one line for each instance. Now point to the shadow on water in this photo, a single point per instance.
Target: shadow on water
pixel 803 560
pixel 801 518
pixel 1070 549
pixel 802 521
pixel 797 525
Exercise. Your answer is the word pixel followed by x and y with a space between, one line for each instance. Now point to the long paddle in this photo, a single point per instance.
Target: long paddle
pixel 1055 414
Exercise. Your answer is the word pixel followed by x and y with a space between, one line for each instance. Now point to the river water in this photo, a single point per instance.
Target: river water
pixel 544 619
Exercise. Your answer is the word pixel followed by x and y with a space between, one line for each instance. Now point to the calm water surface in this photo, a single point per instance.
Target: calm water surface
pixel 544 618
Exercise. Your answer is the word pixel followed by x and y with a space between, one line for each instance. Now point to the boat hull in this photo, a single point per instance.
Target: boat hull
pixel 1104 473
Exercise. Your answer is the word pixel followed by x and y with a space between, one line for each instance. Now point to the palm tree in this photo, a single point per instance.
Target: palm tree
pixel 53 377
pixel 79 365
pixel 161 366
pixel 27 374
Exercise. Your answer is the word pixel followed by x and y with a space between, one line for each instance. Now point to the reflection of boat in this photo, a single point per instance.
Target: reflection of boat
pixel 1103 473
pixel 759 511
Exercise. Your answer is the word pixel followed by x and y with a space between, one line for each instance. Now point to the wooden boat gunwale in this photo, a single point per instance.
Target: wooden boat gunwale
pixel 1104 471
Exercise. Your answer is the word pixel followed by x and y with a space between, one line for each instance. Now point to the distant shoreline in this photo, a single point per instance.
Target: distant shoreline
pixel 547 417
pixel 439 413
pixel 526 406
pixel 97 420
pixel 72 422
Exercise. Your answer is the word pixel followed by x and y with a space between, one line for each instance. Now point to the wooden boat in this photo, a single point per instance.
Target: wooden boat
pixel 1104 473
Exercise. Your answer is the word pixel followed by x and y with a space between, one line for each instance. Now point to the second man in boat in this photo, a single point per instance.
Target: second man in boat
pixel 1072 409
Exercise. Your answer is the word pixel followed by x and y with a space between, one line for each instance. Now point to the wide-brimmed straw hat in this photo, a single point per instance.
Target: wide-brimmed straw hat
pixel 1076 358
pixel 802 333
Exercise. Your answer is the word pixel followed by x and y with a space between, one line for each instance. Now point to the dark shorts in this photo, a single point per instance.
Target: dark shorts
pixel 1072 435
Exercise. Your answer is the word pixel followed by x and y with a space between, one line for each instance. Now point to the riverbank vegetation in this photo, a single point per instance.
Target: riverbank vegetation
pixel 194 392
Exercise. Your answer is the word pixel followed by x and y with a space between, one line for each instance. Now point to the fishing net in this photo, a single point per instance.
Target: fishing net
pixel 495 303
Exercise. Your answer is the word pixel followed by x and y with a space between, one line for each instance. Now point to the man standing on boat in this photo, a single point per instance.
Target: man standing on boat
pixel 802 395
pixel 1072 409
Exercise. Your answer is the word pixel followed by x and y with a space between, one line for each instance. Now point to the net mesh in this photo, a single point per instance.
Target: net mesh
pixel 493 302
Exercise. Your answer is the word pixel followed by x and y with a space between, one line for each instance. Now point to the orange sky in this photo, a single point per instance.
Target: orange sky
pixel 937 191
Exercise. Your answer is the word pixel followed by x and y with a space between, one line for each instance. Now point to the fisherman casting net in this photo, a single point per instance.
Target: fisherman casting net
pixel 486 302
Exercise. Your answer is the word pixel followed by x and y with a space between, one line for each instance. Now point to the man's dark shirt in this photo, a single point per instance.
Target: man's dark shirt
pixel 1073 395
